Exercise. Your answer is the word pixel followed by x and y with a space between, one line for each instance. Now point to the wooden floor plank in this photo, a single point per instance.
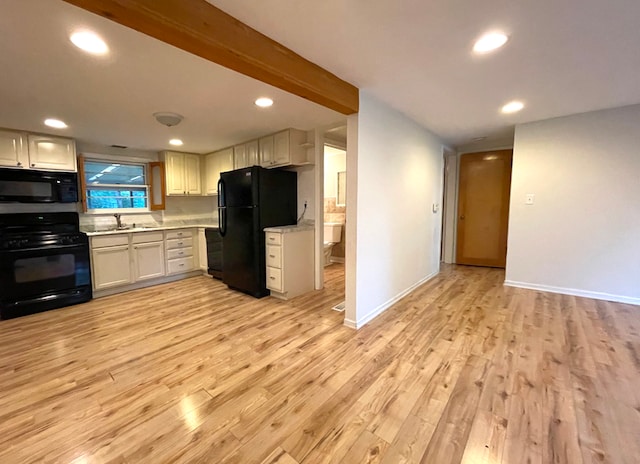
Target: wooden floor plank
pixel 461 370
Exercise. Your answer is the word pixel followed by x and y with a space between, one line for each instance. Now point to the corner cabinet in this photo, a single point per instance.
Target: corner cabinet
pixel 289 259
pixel 182 173
pixel 32 151
pixel 284 148
pixel 214 164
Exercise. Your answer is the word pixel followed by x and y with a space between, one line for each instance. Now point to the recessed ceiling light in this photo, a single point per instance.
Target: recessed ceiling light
pixel 264 102
pixel 490 42
pixel 56 123
pixel 89 42
pixel 176 142
pixel 512 107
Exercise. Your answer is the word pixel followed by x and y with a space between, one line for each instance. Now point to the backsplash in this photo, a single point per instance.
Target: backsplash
pixel 179 211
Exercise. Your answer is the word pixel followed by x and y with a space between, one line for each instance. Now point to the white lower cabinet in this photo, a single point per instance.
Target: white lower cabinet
pixel 148 260
pixel 111 266
pixel 179 246
pixel 289 260
pixel 129 258
pixel 202 249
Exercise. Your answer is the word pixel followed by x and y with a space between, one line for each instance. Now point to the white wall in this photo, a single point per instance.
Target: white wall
pixel 582 234
pixel 335 161
pixel 398 168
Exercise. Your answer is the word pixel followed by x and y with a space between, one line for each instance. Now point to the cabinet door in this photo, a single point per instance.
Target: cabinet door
pixel 202 249
pixel 192 174
pixel 253 157
pixel 111 267
pixel 52 153
pixel 148 260
pixel 240 157
pixel 13 150
pixel 281 148
pixel 220 161
pixel 174 165
pixel 265 145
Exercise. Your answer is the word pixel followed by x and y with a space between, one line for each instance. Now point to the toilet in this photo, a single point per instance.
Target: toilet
pixel 332 235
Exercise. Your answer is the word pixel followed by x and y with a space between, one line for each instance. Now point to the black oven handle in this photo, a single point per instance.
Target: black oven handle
pixel 46 248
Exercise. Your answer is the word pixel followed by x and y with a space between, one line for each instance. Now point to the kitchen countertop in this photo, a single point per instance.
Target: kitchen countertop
pixel 290 229
pixel 149 229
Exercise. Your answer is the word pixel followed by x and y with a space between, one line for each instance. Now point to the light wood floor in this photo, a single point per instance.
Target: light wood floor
pixel 462 370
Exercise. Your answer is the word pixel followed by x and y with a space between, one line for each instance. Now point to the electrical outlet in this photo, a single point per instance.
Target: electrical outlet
pixel 529 199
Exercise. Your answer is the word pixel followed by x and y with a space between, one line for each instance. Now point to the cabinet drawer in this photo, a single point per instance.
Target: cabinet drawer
pixel 176 266
pixel 102 241
pixel 274 279
pixel 273 238
pixel 180 253
pixel 179 243
pixel 274 256
pixel 146 237
pixel 181 233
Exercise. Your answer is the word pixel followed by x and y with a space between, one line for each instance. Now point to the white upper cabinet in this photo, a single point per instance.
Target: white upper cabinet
pixel 52 153
pixel 215 163
pixel 253 157
pixel 240 156
pixel 265 146
pixel 13 149
pixel 245 155
pixel 283 149
pixel 31 151
pixel 183 173
pixel 192 177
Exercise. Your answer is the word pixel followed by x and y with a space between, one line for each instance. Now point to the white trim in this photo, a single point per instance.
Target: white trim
pixel 574 292
pixel 146 283
pixel 336 259
pixel 386 305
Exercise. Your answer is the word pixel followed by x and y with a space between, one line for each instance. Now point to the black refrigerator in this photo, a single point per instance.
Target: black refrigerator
pixel 249 200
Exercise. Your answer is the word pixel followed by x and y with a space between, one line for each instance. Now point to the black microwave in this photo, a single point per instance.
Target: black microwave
pixel 27 186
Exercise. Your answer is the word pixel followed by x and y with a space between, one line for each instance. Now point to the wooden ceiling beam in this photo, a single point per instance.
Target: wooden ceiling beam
pixel 200 28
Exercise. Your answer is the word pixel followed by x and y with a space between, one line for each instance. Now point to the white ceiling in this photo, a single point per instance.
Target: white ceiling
pixel 564 57
pixel 111 100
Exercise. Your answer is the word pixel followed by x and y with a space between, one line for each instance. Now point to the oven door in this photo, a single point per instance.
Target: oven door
pixel 43 278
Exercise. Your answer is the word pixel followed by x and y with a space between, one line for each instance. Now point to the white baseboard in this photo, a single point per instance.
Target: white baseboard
pixel 574 292
pixel 381 308
pixel 336 259
pixel 146 283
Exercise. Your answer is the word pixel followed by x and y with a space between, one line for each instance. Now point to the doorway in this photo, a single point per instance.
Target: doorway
pixel 483 208
pixel 335 213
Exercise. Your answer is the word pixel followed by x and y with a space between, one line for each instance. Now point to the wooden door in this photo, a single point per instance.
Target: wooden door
pixel 483 208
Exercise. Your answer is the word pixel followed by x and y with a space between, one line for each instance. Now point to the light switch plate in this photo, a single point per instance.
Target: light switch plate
pixel 436 207
pixel 530 198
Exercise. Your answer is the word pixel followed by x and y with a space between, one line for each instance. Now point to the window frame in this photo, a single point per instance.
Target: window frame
pixel 109 211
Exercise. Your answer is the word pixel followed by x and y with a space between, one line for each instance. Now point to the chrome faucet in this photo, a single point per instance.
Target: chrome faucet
pixel 118 221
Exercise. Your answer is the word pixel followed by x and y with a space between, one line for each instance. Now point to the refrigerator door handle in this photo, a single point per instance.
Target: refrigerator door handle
pixel 222 213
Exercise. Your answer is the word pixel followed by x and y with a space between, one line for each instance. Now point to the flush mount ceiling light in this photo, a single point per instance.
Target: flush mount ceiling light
pixel 512 107
pixel 90 42
pixel 264 102
pixel 176 142
pixel 168 119
pixel 55 123
pixel 489 42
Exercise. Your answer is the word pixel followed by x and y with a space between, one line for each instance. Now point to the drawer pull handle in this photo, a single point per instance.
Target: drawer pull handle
pixel 179 234
pixel 272 278
pixel 181 264
pixel 179 243
pixel 181 253
pixel 271 238
pixel 272 256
